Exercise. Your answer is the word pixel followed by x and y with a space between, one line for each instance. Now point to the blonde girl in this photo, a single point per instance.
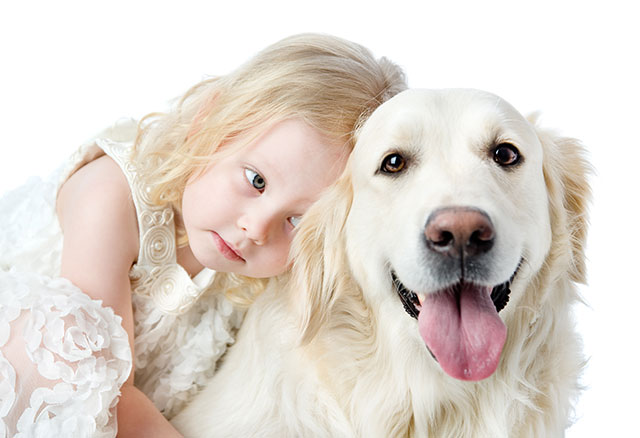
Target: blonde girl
pixel 145 242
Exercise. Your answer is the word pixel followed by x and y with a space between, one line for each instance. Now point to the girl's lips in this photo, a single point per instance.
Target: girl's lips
pixel 225 249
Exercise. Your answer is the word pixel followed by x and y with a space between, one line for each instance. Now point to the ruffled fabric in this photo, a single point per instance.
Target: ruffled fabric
pixel 30 236
pixel 71 355
pixel 177 354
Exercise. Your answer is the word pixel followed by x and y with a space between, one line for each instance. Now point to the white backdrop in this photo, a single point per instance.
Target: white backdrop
pixel 68 68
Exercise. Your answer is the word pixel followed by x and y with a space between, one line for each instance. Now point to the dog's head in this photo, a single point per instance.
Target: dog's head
pixel 448 197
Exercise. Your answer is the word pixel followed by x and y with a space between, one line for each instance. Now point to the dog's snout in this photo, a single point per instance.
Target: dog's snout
pixel 458 231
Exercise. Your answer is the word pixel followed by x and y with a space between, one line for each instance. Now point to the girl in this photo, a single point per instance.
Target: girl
pixel 133 249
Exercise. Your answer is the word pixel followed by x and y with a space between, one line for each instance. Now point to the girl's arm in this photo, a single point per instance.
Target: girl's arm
pixel 101 242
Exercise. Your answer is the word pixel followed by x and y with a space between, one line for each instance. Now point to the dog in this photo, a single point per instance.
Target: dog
pixel 431 291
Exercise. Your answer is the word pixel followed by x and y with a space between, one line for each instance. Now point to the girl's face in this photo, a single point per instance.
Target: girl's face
pixel 240 214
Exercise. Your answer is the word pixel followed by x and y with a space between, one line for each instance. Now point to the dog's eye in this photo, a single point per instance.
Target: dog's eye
pixel 393 163
pixel 506 154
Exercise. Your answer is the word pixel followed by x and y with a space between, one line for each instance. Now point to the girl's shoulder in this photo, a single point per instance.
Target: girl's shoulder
pixel 95 200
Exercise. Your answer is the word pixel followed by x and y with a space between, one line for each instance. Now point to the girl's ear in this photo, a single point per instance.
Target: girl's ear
pixel 319 258
pixel 566 173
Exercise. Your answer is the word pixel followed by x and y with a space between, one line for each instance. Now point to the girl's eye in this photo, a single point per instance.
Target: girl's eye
pixel 255 179
pixel 506 154
pixel 294 220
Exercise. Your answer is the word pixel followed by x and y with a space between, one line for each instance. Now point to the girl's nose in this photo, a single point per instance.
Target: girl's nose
pixel 256 227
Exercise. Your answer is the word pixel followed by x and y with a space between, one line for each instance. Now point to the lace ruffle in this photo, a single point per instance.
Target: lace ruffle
pixel 73 357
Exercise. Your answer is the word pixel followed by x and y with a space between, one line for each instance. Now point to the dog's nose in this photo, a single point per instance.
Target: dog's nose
pixel 458 231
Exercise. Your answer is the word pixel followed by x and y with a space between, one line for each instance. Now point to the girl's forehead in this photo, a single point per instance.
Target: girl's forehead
pixel 293 138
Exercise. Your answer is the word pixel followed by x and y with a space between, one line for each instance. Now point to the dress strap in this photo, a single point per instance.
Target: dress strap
pixel 156 225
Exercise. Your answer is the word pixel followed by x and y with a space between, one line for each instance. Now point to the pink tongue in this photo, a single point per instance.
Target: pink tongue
pixel 463 332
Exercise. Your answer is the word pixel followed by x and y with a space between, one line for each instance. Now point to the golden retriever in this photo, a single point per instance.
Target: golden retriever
pixel 431 292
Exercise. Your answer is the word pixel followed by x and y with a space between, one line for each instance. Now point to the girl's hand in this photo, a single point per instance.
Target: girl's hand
pixel 138 417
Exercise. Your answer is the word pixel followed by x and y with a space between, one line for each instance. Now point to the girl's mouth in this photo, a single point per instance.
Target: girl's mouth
pixel 225 249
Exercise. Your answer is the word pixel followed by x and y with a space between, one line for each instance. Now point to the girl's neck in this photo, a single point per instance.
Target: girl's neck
pixel 187 260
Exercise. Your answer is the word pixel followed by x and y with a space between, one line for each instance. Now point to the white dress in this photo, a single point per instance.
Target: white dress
pixel 64 356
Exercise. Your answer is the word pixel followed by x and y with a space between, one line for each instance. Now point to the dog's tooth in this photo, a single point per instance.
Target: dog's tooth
pixel 421 298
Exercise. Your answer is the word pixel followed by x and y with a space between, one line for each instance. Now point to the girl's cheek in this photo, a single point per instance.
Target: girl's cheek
pixel 281 258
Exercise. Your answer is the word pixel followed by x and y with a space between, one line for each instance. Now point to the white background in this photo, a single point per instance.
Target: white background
pixel 67 69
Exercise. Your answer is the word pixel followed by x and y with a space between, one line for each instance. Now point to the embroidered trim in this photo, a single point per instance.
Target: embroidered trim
pixel 156 272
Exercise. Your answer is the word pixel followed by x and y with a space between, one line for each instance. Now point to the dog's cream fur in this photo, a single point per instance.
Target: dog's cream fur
pixel 330 351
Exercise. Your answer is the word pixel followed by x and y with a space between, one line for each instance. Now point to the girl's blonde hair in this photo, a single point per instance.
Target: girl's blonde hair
pixel 328 82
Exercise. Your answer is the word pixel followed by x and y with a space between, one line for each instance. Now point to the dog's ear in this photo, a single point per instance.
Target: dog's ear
pixel 319 258
pixel 566 172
